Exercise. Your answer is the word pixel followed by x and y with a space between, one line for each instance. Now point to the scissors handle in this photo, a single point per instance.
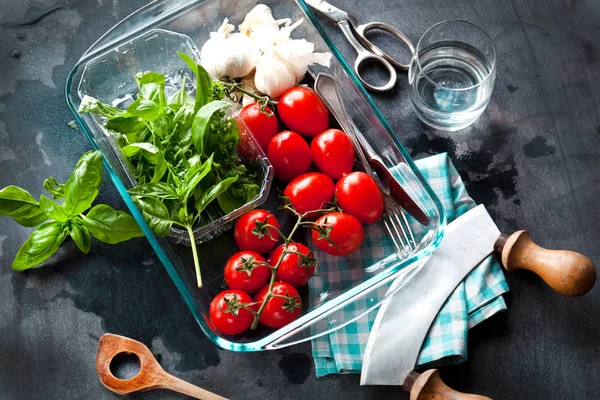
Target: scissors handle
pixel 361 30
pixel 366 55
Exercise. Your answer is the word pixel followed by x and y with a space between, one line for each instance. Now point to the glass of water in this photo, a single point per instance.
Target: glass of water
pixel 452 75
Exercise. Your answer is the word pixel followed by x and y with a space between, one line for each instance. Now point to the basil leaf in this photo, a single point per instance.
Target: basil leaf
pixel 201 120
pixel 81 236
pixel 145 109
pixel 213 192
pixel 53 210
pixel 57 190
pixel 156 214
pixel 42 243
pixel 151 91
pixel 160 169
pixel 150 77
pixel 19 204
pixel 111 226
pixel 149 150
pixel 203 82
pixel 236 197
pixel 92 105
pixel 155 189
pixel 182 97
pixel 83 185
pixel 194 175
pixel 228 203
pixel 126 125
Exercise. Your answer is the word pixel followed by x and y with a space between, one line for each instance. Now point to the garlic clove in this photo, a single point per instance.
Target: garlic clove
pixel 259 21
pixel 273 77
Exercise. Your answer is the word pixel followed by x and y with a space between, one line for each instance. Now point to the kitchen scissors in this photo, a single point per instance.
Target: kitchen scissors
pixel 366 50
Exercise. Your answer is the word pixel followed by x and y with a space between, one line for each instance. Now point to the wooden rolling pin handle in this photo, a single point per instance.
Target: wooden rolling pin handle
pixel 429 386
pixel 567 272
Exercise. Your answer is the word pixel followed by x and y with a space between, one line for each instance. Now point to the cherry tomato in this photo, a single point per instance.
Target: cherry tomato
pixel 248 239
pixel 358 195
pixel 303 111
pixel 226 312
pixel 241 273
pixel 343 229
pixel 262 127
pixel 279 312
pixel 333 153
pixel 310 191
pixel 290 155
pixel 294 269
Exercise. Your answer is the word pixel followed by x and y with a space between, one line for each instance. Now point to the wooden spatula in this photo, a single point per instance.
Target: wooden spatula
pixel 151 374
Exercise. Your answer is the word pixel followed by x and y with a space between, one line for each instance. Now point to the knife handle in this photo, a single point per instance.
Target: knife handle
pixel 429 386
pixel 567 272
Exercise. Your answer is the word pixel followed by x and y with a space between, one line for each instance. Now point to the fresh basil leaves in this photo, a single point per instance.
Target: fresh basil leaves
pixel 66 219
pixel 182 152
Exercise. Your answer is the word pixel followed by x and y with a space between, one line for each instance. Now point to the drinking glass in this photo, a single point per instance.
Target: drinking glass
pixel 452 75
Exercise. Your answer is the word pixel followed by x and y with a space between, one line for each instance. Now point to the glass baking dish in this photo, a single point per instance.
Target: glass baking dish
pixel 196 19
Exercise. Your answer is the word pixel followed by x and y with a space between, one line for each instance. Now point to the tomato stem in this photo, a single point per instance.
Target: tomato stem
pixel 269 226
pixel 287 240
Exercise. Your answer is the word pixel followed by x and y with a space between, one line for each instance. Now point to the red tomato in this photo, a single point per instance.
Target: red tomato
pixel 279 312
pixel 333 153
pixel 310 191
pixel 303 111
pixel 262 127
pixel 294 269
pixel 290 155
pixel 248 239
pixel 241 273
pixel 343 229
pixel 226 312
pixel 358 195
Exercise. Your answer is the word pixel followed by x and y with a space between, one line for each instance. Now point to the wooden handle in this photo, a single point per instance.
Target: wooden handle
pixel 567 272
pixel 151 374
pixel 429 386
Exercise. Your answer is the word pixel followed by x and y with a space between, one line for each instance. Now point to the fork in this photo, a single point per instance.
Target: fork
pixel 394 217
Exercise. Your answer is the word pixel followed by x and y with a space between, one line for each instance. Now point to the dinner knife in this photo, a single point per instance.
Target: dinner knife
pixel 406 316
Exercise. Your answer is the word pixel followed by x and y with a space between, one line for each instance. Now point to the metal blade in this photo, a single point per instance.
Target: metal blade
pixel 405 317
pixel 328 10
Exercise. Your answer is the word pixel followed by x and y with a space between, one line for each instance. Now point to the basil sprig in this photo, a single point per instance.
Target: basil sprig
pixel 181 150
pixel 57 221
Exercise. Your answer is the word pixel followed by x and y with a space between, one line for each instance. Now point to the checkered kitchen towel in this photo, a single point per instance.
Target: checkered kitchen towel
pixel 477 298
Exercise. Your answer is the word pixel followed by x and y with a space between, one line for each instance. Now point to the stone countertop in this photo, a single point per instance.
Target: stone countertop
pixel 533 159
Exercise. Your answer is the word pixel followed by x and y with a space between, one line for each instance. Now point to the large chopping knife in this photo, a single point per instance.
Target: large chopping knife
pixel 405 317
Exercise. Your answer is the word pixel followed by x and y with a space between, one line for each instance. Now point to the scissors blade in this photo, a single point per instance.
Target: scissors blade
pixel 328 10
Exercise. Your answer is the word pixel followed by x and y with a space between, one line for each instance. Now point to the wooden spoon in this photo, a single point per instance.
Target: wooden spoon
pixel 151 374
pixel 429 386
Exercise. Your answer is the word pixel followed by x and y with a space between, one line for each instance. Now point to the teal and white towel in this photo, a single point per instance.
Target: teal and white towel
pixel 477 298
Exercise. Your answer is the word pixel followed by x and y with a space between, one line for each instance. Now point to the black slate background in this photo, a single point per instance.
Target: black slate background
pixel 533 159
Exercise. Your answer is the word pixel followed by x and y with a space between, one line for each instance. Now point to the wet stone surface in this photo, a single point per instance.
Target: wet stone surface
pixel 533 159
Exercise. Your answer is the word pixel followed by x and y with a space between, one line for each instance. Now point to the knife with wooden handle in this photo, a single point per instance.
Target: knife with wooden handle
pixel 404 318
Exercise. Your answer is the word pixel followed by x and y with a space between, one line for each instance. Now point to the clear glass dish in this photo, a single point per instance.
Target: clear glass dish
pixel 196 19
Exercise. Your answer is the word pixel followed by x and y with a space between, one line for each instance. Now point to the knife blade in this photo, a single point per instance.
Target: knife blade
pixel 405 317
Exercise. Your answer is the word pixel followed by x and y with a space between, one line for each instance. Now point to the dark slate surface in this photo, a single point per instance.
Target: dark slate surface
pixel 533 159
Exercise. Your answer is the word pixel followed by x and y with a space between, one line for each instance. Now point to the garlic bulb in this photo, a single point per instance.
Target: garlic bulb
pixel 273 76
pixel 226 54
